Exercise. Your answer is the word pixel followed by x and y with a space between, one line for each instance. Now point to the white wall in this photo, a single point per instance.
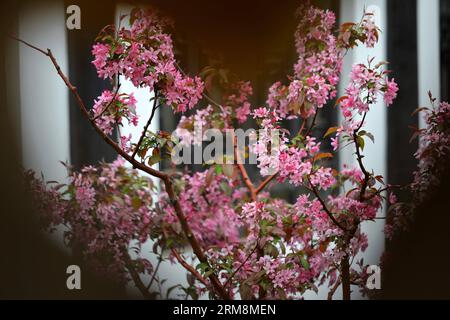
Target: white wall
pixel 428 41
pixel 44 97
pixel 44 104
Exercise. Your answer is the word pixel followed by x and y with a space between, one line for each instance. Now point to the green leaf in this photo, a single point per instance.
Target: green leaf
pixel 218 169
pixel 155 157
pixel 370 136
pixel 228 170
pixel 245 291
pixel 170 289
pixel 136 202
pixel 360 142
pixel 330 131
pixel 304 262
pixel 271 250
pixel 203 267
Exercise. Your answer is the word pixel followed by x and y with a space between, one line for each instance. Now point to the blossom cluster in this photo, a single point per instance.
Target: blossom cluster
pixel 433 155
pixel 110 109
pixel 366 32
pixel 365 85
pixel 238 100
pixel 317 70
pixel 280 254
pixel 108 212
pixel 208 201
pixel 144 55
pixel 434 148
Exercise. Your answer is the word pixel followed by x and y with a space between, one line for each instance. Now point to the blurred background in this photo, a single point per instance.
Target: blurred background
pixel 41 125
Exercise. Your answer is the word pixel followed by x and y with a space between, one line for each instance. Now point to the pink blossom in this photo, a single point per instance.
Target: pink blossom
pixel 391 92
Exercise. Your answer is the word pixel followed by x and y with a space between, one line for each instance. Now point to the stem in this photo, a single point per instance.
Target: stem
pixel 156 269
pixel 110 103
pixel 242 264
pixel 138 145
pixel 325 208
pixel 345 264
pixel 189 268
pixel 313 123
pixel 244 173
pixel 192 239
pixel 333 290
pixel 186 265
pixel 345 278
pixel 136 279
pixel 265 183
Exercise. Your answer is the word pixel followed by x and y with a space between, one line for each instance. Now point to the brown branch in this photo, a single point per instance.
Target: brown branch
pixel 29 45
pixel 302 127
pixel 144 131
pixel 244 174
pixel 163 176
pixel 345 263
pixel 136 278
pixel 313 123
pixel 265 183
pixel 189 268
pixel 186 265
pixel 360 162
pixel 242 264
pixel 333 290
pixel 109 104
pixel 345 278
pixel 160 259
pixel 325 208
pixel 192 239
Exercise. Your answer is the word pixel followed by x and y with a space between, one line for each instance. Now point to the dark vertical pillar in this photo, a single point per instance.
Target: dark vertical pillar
pixel 86 146
pixel 402 55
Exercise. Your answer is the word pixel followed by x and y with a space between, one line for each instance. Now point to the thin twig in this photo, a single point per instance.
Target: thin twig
pixel 211 100
pixel 189 268
pixel 333 290
pixel 242 264
pixel 244 174
pixel 109 104
pixel 325 208
pixel 157 268
pixel 313 123
pixel 137 279
pixel 265 183
pixel 144 132
pixel 30 45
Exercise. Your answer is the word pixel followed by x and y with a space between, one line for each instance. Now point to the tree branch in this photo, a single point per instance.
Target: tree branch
pixel 333 290
pixel 160 259
pixel 154 107
pixel 136 278
pixel 189 268
pixel 241 265
pixel 325 208
pixel 243 172
pixel 109 104
pixel 265 183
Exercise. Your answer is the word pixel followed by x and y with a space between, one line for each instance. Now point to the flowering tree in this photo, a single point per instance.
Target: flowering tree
pixel 244 241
